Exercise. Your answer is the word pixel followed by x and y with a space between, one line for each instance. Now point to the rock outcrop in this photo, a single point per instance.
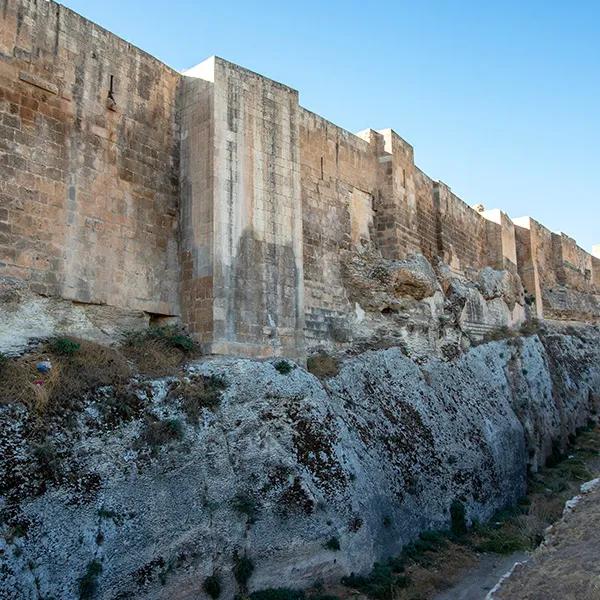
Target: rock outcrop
pixel 135 495
pixel 27 317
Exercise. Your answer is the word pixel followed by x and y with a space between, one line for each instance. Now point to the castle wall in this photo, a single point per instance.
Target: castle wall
pixel 88 185
pixel 596 267
pixel 339 181
pixel 215 197
pixel 500 240
pixel 396 218
pixel 428 224
pixel 462 231
pixel 196 228
pixel 247 242
pixel 574 263
pixel 557 272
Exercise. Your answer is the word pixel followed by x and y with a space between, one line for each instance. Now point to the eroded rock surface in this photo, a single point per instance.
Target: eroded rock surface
pixel 279 467
pixel 27 317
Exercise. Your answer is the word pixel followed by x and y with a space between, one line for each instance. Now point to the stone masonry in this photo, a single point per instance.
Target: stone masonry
pixel 212 197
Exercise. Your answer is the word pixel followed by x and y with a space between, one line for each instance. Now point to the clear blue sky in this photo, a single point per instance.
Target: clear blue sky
pixel 501 100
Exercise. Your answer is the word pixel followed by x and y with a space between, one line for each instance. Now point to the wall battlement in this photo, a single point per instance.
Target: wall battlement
pixel 212 196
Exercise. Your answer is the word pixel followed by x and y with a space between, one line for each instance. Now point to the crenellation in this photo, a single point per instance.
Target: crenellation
pixel 213 196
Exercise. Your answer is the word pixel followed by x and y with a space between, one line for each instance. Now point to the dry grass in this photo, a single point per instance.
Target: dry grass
pixel 153 358
pixel 91 366
pixel 323 365
pixel 79 366
pixel 427 581
pixel 197 394
pixel 158 351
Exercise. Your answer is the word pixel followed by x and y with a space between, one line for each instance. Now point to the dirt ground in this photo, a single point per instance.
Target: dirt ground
pixel 566 566
pixel 481 578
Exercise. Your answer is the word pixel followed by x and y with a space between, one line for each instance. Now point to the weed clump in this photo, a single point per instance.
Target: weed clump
pixel 48 461
pixel 245 505
pixel 531 327
pixel 88 584
pixel 212 586
pixel 380 584
pixel 199 393
pixel 458 518
pixel 242 569
pixel 158 350
pixel 503 541
pixel 157 433
pixel 64 346
pixel 284 367
pixel 323 365
pixel 122 405
pixel 332 544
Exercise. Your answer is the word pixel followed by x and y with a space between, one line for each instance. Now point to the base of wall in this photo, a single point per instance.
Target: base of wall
pixel 229 348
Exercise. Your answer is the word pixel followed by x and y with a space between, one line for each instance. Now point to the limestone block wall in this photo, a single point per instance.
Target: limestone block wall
pixel 88 162
pixel 572 262
pixel 557 272
pixel 428 223
pixel 339 184
pixel 462 231
pixel 500 240
pixel 534 258
pixel 215 197
pixel 596 267
pixel 196 217
pixel 396 219
pixel 241 215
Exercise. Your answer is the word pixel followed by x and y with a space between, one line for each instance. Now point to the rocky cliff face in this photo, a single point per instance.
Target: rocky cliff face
pixel 142 493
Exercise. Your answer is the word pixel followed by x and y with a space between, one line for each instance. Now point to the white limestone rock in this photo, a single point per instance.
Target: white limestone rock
pixel 371 458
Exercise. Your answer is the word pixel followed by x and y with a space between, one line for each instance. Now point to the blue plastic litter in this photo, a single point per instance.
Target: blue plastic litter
pixel 44 366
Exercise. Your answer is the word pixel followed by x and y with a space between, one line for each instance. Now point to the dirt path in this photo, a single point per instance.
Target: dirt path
pixel 480 579
pixel 566 566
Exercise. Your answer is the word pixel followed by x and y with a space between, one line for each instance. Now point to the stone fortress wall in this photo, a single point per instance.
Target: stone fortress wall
pixel 213 197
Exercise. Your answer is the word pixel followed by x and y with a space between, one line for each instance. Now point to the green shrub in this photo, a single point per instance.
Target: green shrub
pixel 64 346
pixel 212 586
pixel 198 394
pixel 278 594
pixel 284 367
pixel 242 569
pixel 158 433
pixel 245 505
pixel 500 541
pixel 380 584
pixel 531 327
pixel 458 518
pixel 430 541
pixel 183 342
pixel 3 360
pixel 88 584
pixel 332 544
pixel 170 335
